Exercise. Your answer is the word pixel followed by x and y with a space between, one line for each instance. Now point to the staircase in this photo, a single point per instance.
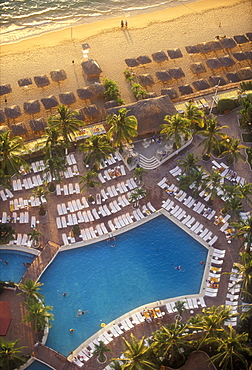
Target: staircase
pixel 148 163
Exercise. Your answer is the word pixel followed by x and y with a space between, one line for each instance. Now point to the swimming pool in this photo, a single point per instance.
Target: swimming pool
pixel 36 365
pixel 110 281
pixel 14 269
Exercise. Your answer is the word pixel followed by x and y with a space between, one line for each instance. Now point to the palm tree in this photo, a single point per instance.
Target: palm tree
pixel 212 133
pixel 197 177
pixel 65 123
pixel 244 271
pixel 54 169
pixel 176 128
pixel 189 163
pixel 244 192
pixel 179 306
pixel 11 150
pixel 115 365
pixel 41 193
pixel 6 233
pixel 34 237
pixel 233 150
pixel 138 174
pixel 122 127
pixel 195 115
pixel 213 184
pixel 96 149
pixel 38 315
pixel 88 180
pixel 11 357
pixel 100 350
pixel 244 230
pixel 136 195
pixel 233 206
pixel 31 289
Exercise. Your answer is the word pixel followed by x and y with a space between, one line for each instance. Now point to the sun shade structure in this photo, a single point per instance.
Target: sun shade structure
pixel 145 80
pixel 248 55
pixel 201 85
pixel 245 73
pixel 226 61
pixel 144 59
pixel 80 115
pixel 216 80
pixel 91 110
pixel 18 129
pixel 233 77
pixel 25 82
pixel 97 89
pixel 150 113
pixel 192 49
pixel 84 93
pixel 205 47
pixel 176 73
pixel 228 43
pixel 2 116
pixel 41 81
pixel 67 98
pixel 172 93
pixel 185 89
pixel 58 75
pixel 131 62
pixel 5 317
pixel 213 63
pixel 174 53
pixel 241 39
pixel 163 76
pixel 5 89
pixel 240 56
pixel 249 35
pixel 50 102
pixel 12 112
pixel 197 68
pixel 3 128
pixel 110 104
pixel 159 56
pixel 32 107
pixel 91 69
pixel 37 125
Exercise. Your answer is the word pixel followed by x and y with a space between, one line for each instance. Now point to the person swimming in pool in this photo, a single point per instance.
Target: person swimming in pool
pixel 178 268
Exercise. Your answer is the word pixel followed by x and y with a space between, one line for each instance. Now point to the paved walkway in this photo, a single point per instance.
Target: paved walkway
pixel 53 358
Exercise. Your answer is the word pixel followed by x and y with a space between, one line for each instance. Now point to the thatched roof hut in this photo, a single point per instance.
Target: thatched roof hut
pixel 84 93
pixel 213 63
pixel 185 89
pixel 151 95
pixel 228 43
pixel 110 104
pixel 201 85
pixel 143 59
pixel 80 114
pixel 25 82
pixel 172 93
pixel 241 39
pixel 96 89
pixel 159 56
pixel 192 49
pixel 41 81
pixel 245 73
pixel 145 80
pixel 216 80
pixel 91 69
pixel 58 75
pixel 249 35
pixel 37 125
pixel 5 89
pixel 2 116
pixel 18 129
pixel 226 61
pixel 32 107
pixel 150 113
pixel 240 56
pixel 12 112
pixel 215 45
pixel 3 128
pixel 197 68
pixel 174 53
pixel 163 76
pixel 50 102
pixel 67 98
pixel 233 77
pixel 205 47
pixel 131 62
pixel 176 73
pixel 248 55
pixel 91 111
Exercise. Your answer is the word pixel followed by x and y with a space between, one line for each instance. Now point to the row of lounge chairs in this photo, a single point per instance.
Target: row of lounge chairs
pixel 5 194
pixel 228 173
pixel 189 304
pixel 112 173
pixel 22 239
pixel 68 189
pixel 214 273
pixel 20 203
pixel 234 289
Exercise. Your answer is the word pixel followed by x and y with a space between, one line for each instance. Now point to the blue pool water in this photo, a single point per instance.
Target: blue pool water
pixel 15 269
pixel 108 282
pixel 36 365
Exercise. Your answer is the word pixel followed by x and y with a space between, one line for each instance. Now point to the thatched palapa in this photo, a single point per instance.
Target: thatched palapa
pixel 159 56
pixel 41 81
pixel 233 77
pixel 32 107
pixel 91 110
pixel 216 80
pixel 91 69
pixel 172 93
pixel 50 102
pixel 174 53
pixel 205 47
pixel 67 98
pixel 58 75
pixel 96 89
pixel 249 35
pixel 185 89
pixel 197 68
pixel 5 89
pixel 163 76
pixel 84 93
pixel 37 125
pixel 3 128
pixel 241 39
pixel 245 73
pixel 12 112
pixel 143 59
pixel 200 85
pixel 18 129
pixel 215 45
pixel 240 56
pixel 228 43
pixel 25 82
pixel 145 80
pixel 111 104
pixel 80 115
pixel 248 55
pixel 131 62
pixel 150 113
pixel 176 73
pixel 226 61
pixel 213 63
pixel 193 49
pixel 2 116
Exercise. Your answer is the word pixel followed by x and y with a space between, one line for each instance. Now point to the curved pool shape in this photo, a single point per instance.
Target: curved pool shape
pixel 15 269
pixel 36 365
pixel 110 281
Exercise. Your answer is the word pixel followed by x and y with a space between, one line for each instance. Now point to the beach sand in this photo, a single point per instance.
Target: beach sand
pixel 110 45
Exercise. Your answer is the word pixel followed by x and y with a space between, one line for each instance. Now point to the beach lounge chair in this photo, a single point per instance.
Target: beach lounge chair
pixel 70 207
pixel 96 216
pixel 213 240
pixel 151 208
pixel 114 191
pixel 65 189
pixel 169 206
pixel 90 216
pixel 124 326
pixel 104 229
pixel 104 195
pixel 114 332
pixel 75 207
pixel 121 222
pixel 106 210
pixel 101 178
pixel 122 169
pixel 80 217
pixel 99 230
pixel 220 252
pixel 203 233
pixel 111 226
pixel 162 182
pixel 102 212
pixel 169 308
pixel 201 301
pixel 135 320
pixel 58 189
pixel 199 229
pixel 117 223
pixel 181 215
pixel 24 239
pixel 69 220
pixel 83 234
pixel 175 209
pixel 58 223
pixel 84 202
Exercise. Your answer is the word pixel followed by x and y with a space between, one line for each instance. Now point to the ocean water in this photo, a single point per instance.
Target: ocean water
pixel 21 19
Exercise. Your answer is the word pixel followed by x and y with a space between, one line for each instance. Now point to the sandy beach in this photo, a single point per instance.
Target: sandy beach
pixel 110 45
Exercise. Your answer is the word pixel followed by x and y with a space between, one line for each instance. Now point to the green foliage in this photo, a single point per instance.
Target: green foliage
pixel 225 105
pixel 139 92
pixel 249 154
pixel 112 91
pixel 11 357
pixel 246 85
pixel 6 233
pixel 88 180
pixel 100 350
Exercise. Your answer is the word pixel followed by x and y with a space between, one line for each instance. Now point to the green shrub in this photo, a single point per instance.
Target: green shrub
pixel 246 85
pixel 247 138
pixel 112 91
pixel 225 105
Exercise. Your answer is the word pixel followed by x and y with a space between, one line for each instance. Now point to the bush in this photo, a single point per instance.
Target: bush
pixel 246 85
pixel 112 91
pixel 226 105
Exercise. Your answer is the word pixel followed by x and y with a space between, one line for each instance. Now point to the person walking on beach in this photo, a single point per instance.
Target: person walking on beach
pixel 126 23
pixel 122 24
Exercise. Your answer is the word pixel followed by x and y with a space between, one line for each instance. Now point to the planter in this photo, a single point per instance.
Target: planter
pixel 52 187
pixel 206 157
pixel 104 358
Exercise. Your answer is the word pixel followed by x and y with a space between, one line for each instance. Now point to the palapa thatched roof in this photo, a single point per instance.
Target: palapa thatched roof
pixel 84 93
pixel 240 56
pixel 144 59
pixel 185 89
pixel 2 116
pixel 37 125
pixel 216 80
pixel 3 128
pixel 110 104
pixel 245 73
pixel 80 114
pixel 241 39
pixel 131 62
pixel 12 112
pixel 97 89
pixel 205 47
pixel 215 45
pixel 174 53
pixel 50 102
pixel 159 56
pixel 228 43
pixel 151 95
pixel 213 63
pixel 67 98
pixel 226 61
pixel 233 77
pixel 163 76
pixel 25 82
pixel 201 85
pixel 197 68
pixel 58 75
pixel 249 35
pixel 91 110
pixel 192 49
pixel 248 55
pixel 172 93
pixel 32 107
pixel 176 73
pixel 150 113
pixel 41 81
pixel 91 69
pixel 18 129
pixel 145 80
pixel 5 89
